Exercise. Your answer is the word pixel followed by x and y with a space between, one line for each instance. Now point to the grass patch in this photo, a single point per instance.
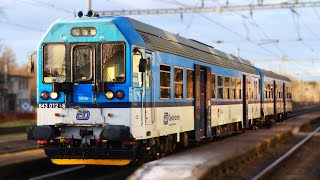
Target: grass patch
pixel 17 123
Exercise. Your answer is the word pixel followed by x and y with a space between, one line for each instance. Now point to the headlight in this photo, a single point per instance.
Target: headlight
pixel 44 95
pixel 119 94
pixel 54 95
pixel 109 94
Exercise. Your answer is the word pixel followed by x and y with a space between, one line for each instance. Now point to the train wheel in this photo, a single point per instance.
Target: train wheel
pixel 280 117
pixel 172 143
pixel 267 122
pixel 141 154
pixel 184 140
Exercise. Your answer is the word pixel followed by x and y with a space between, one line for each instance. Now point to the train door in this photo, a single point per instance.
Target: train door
pixel 149 99
pixel 284 97
pixel 275 98
pixel 244 101
pixel 142 90
pixel 202 104
pixel 83 59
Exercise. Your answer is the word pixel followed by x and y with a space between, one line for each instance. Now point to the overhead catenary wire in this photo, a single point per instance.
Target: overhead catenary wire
pixel 231 31
pixel 253 22
pixel 316 12
pixel 45 5
pixel 23 26
pixel 296 21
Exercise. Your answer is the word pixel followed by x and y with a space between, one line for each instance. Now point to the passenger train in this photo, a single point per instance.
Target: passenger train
pixel 114 91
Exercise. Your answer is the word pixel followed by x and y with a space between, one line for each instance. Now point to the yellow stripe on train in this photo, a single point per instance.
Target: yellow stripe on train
pixel 114 162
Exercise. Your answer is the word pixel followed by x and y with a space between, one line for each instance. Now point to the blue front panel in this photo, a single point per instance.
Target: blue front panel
pixel 82 93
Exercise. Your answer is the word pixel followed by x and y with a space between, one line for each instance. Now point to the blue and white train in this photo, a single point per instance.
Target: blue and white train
pixel 113 90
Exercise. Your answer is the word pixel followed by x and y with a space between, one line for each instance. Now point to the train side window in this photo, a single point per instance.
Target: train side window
pixel 213 83
pixel 248 89
pixel 190 75
pixel 265 90
pixel 54 63
pixel 255 92
pixel 226 88
pixel 269 91
pixel 233 88
pixel 165 82
pixel 257 89
pixel 136 75
pixel 220 87
pixel 148 72
pixel 279 94
pixel 178 83
pixel 113 62
pixel 239 88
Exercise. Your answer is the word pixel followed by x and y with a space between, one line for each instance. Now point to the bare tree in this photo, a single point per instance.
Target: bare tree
pixel 7 64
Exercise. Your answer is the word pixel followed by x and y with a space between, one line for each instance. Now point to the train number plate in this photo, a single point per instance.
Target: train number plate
pixel 49 105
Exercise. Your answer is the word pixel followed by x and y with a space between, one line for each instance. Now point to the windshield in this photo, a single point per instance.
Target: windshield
pixel 54 63
pixel 83 59
pixel 113 62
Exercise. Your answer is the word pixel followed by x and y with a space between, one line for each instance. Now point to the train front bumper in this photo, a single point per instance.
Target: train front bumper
pixel 111 162
pixel 92 155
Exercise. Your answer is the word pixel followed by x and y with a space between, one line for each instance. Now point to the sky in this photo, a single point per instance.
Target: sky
pixel 264 37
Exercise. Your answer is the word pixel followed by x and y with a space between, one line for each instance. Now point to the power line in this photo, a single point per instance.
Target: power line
pixel 253 22
pixel 265 41
pixel 296 20
pixel 230 30
pixel 285 60
pixel 217 9
pixel 268 37
pixel 23 26
pixel 45 5
pixel 316 12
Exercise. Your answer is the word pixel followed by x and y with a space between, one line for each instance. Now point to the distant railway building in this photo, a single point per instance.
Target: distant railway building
pixel 15 94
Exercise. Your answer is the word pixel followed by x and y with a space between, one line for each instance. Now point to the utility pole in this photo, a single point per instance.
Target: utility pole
pixel 89 5
pixel 238 52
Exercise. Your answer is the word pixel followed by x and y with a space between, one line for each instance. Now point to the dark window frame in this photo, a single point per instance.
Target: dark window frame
pixel 181 83
pixel 192 80
pixel 219 87
pixel 74 61
pixel 42 60
pixel 170 96
pixel 124 59
pixel 214 86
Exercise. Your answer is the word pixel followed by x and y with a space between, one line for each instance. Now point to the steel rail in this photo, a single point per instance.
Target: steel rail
pixel 286 155
pixel 58 172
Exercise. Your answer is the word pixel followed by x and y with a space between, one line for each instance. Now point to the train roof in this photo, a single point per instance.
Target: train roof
pixel 274 75
pixel 158 39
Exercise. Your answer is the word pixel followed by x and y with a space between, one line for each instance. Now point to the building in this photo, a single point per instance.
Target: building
pixel 15 94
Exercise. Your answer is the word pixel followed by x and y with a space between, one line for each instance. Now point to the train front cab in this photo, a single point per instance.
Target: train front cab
pixel 84 103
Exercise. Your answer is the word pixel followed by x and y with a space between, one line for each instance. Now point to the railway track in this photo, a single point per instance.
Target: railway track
pixel 278 162
pixel 86 172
